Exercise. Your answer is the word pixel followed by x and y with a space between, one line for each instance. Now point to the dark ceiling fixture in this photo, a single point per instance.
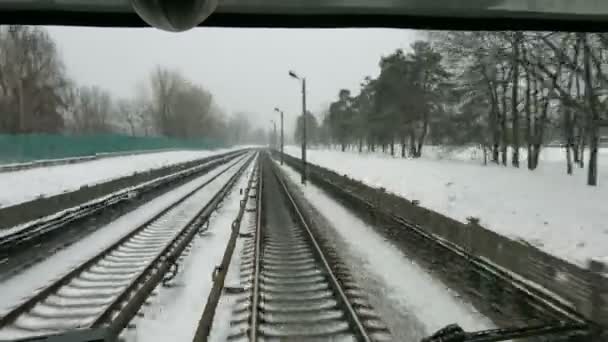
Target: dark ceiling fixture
pixel 174 15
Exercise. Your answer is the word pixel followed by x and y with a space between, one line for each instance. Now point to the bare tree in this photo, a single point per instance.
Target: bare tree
pixel 31 80
pixel 92 110
pixel 517 37
pixel 126 114
pixel 165 84
pixel 593 111
pixel 144 109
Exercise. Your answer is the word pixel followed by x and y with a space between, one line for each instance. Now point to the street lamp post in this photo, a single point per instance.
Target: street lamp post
pixel 282 141
pixel 303 81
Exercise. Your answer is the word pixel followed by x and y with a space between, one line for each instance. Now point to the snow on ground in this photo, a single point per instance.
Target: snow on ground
pixel 220 328
pixel 546 207
pixel 174 313
pixel 475 153
pixel 26 185
pixel 20 287
pixel 414 304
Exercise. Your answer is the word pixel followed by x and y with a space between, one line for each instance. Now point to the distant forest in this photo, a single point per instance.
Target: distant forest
pixel 38 96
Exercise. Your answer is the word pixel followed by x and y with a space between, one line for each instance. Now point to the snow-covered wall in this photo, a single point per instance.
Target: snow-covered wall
pixel 547 208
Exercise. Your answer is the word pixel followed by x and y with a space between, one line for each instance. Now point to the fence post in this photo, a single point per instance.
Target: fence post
pixel 599 300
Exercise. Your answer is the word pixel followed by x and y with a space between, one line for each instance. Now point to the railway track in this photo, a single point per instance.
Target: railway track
pixel 103 293
pixel 294 291
pixel 57 231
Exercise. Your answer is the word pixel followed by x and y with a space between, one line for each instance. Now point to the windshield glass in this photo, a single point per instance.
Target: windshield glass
pixel 290 183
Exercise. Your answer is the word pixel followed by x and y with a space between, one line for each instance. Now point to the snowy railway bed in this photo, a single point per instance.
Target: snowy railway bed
pixel 61 229
pixel 101 294
pixel 294 287
pixel 42 192
pixel 501 294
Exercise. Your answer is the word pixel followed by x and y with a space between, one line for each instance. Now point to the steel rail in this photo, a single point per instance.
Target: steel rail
pixel 205 323
pixel 257 259
pixel 352 316
pixel 170 252
pixel 65 279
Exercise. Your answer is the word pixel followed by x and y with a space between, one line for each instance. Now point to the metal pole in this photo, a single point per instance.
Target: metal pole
pixel 282 141
pixel 304 173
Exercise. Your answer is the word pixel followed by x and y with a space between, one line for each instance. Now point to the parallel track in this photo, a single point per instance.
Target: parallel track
pixel 245 219
pixel 107 290
pixel 295 294
pixel 38 231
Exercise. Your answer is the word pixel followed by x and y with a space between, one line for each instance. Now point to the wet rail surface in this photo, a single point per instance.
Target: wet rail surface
pixel 101 289
pixel 293 291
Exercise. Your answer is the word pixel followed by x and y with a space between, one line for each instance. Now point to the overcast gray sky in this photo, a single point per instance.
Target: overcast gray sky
pixel 245 69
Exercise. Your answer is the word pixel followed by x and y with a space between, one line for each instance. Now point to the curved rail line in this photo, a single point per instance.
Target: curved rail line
pixel 107 290
pixel 295 293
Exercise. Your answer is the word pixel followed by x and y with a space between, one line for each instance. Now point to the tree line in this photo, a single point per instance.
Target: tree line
pixel 511 93
pixel 38 96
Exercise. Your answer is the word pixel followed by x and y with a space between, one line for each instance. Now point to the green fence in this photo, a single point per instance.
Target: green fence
pixel 29 147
